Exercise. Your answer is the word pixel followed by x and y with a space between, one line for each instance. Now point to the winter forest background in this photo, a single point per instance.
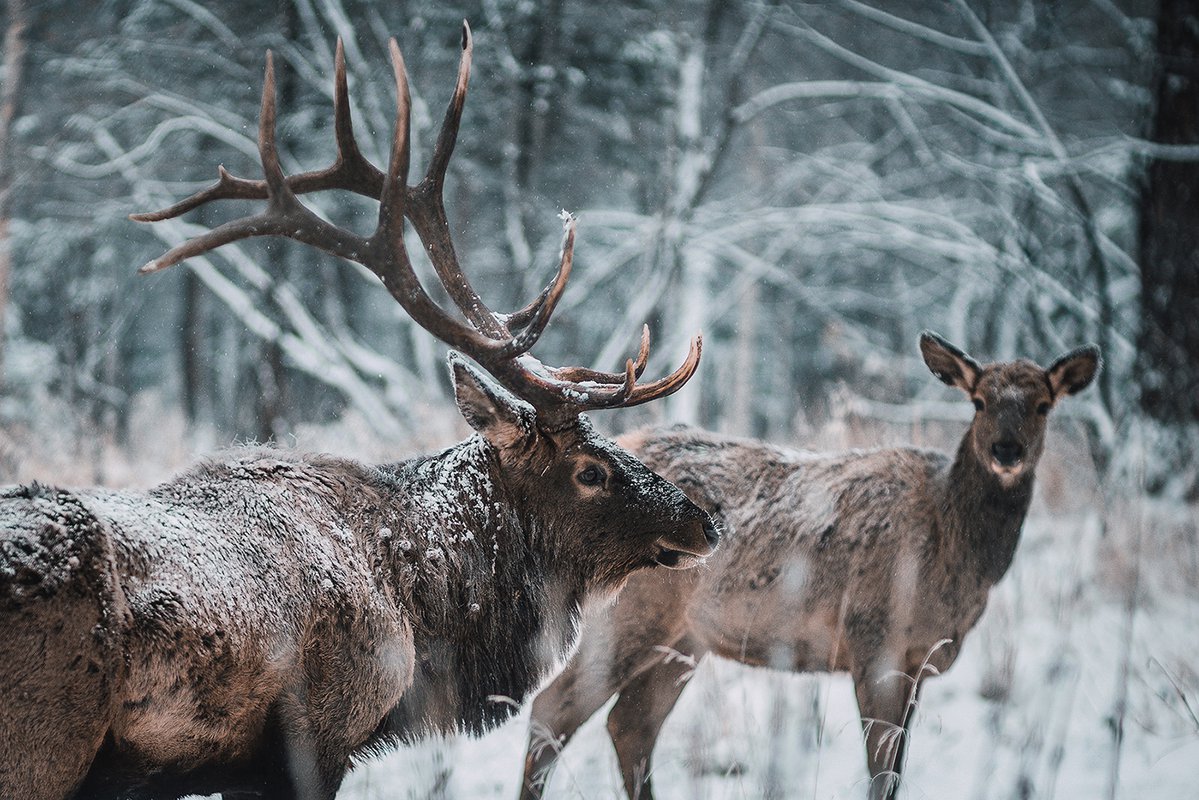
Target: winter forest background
pixel 808 184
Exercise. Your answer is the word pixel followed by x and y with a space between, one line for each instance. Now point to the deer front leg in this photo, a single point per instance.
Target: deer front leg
pixel 604 665
pixel 294 764
pixel 887 702
pixel 569 701
pixel 637 716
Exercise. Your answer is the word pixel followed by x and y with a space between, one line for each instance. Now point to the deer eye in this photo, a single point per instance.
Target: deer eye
pixel 591 476
pixel 1043 409
pixel 979 405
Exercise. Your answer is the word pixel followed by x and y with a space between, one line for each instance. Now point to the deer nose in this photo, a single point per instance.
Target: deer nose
pixel 711 533
pixel 688 546
pixel 1007 453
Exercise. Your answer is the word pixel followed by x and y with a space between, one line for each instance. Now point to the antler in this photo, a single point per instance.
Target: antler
pixel 499 342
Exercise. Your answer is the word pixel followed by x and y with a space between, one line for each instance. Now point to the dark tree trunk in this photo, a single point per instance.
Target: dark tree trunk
pixel 10 93
pixel 534 96
pixel 271 399
pixel 191 345
pixel 1169 228
pixel 537 90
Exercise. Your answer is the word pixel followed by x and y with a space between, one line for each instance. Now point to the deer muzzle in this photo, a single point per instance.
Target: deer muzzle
pixel 688 546
pixel 1008 461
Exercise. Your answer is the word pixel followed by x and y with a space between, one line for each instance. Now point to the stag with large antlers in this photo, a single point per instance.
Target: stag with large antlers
pixel 254 623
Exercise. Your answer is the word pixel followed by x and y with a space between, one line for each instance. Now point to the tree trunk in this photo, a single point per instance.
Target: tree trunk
pixel 691 269
pixel 1169 228
pixel 191 346
pixel 739 418
pixel 271 400
pixel 10 93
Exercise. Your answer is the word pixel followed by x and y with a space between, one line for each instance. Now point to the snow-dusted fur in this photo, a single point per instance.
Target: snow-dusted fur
pixel 254 623
pixel 875 562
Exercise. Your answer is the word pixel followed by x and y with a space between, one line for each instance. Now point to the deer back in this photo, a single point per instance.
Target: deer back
pixel 819 548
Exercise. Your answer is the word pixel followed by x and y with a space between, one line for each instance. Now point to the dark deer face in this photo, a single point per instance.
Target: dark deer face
pixel 1011 400
pixel 609 514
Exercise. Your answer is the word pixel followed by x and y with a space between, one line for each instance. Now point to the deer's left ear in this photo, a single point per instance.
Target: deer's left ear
pixel 502 419
pixel 1074 371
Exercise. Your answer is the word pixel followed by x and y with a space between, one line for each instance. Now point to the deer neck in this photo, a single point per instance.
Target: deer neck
pixel 982 517
pixel 490 614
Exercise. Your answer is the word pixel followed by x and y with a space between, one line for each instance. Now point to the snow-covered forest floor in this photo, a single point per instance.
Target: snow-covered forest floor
pixel 1093 631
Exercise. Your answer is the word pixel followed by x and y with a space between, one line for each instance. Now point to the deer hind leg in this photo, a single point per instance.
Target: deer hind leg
pixel 62 614
pixel 887 703
pixel 637 716
pixel 55 713
pixel 298 760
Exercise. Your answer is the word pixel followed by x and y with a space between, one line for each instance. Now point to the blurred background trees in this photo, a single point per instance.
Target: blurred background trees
pixel 809 184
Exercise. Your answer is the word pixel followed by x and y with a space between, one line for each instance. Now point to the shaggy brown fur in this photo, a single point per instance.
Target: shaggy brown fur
pixel 251 625
pixel 875 562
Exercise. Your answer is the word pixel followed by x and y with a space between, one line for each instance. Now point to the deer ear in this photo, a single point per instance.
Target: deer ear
pixel 950 364
pixel 1074 371
pixel 497 415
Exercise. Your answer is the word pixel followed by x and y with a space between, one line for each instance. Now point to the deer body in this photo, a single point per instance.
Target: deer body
pixel 267 605
pixel 804 579
pixel 874 562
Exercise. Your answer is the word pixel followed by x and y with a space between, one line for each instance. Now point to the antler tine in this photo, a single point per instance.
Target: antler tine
pixel 542 388
pixel 547 302
pixel 573 390
pixel 227 187
pixel 642 351
pixel 350 170
pixel 448 136
pixel 426 209
pixel 284 216
pixel 395 186
pixel 343 123
pixel 630 395
pixel 520 318
pixel 672 382
pixel 581 374
pixel 268 152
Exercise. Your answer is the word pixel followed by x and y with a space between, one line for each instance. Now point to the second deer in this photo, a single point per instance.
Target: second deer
pixel 874 562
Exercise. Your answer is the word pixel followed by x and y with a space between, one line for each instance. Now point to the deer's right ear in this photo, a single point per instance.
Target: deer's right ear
pixel 950 364
pixel 498 416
